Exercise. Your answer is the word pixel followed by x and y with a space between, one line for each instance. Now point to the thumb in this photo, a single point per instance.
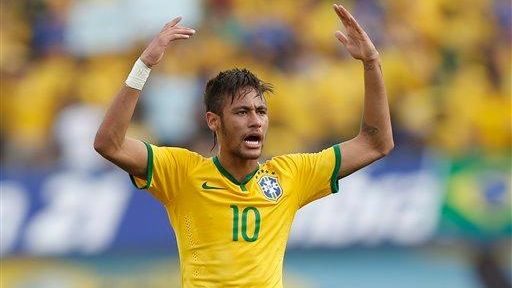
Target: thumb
pixel 341 37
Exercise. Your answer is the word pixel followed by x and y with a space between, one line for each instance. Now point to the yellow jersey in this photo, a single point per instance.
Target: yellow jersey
pixel 231 233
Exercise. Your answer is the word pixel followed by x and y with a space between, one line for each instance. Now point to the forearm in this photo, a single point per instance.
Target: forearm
pixel 111 142
pixel 112 132
pixel 375 138
pixel 376 122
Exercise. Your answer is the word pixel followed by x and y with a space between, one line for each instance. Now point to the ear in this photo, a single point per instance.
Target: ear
pixel 213 121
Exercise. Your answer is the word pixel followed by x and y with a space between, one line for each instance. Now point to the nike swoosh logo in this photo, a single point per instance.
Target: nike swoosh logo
pixel 207 187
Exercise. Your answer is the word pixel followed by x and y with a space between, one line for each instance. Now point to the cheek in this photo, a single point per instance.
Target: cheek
pixel 231 130
pixel 265 122
pixel 236 125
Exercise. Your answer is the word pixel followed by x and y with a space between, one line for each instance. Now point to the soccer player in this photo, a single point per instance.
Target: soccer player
pixel 231 214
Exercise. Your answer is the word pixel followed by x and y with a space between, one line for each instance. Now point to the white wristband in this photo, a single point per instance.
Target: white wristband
pixel 138 76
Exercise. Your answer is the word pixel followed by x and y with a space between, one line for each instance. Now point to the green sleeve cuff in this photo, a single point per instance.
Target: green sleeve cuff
pixel 149 169
pixel 337 166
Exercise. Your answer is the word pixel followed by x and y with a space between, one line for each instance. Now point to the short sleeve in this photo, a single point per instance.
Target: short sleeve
pixel 315 175
pixel 167 169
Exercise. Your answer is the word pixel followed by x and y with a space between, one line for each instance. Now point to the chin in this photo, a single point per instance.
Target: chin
pixel 251 155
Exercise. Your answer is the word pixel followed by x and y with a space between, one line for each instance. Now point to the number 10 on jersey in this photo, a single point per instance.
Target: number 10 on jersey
pixel 245 216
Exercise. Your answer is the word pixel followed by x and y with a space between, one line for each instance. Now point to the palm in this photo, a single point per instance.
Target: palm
pixel 354 44
pixel 356 40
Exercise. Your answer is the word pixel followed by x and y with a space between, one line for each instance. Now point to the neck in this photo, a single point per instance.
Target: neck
pixel 236 166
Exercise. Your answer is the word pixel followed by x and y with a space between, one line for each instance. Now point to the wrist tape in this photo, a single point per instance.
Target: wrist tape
pixel 138 76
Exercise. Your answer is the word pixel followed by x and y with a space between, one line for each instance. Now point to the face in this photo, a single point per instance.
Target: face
pixel 242 127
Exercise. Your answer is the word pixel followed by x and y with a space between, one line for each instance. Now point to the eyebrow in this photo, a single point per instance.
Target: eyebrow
pixel 248 107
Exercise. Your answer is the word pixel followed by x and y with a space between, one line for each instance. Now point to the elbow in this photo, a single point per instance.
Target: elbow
pixel 386 147
pixel 99 145
pixel 379 146
pixel 102 146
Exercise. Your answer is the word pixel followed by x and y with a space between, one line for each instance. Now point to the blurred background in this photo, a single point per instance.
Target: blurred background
pixel 435 213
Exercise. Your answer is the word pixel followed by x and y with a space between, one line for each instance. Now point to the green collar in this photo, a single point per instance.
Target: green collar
pixel 226 174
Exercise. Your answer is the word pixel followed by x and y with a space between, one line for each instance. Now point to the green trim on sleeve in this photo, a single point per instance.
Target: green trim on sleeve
pixel 334 178
pixel 149 168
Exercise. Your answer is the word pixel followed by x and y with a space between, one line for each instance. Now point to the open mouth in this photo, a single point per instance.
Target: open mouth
pixel 253 140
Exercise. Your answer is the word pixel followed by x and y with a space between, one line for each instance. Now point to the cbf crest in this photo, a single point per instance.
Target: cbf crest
pixel 270 187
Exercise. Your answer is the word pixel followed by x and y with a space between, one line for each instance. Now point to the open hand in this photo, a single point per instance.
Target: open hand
pixel 356 40
pixel 156 48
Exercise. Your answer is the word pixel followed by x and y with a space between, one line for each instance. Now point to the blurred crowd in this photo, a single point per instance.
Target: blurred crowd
pixel 447 67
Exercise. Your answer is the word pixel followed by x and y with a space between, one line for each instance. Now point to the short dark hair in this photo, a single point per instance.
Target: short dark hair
pixel 228 84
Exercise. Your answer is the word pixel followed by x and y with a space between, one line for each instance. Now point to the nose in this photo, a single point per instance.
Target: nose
pixel 255 120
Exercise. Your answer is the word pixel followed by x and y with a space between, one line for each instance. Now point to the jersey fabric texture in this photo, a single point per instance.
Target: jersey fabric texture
pixel 231 233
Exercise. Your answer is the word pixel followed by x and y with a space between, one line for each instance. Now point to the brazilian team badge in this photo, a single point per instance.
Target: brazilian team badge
pixel 270 187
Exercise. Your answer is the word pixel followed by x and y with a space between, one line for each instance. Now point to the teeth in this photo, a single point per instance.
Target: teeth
pixel 252 142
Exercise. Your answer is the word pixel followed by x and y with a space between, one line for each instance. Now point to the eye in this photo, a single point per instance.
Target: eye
pixel 241 113
pixel 262 112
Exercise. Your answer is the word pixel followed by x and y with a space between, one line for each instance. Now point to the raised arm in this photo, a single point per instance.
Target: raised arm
pixel 111 141
pixel 375 138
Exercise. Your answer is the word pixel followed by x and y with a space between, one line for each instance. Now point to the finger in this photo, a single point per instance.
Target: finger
pixel 181 26
pixel 340 12
pixel 173 22
pixel 181 30
pixel 342 17
pixel 341 37
pixel 352 21
pixel 186 31
pixel 344 11
pixel 170 36
pixel 179 37
pixel 345 15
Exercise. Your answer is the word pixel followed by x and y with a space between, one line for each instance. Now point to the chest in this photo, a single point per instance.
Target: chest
pixel 212 195
pixel 235 212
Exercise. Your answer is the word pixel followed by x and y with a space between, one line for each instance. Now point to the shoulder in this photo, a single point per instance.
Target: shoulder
pixel 284 163
pixel 176 154
pixel 297 160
